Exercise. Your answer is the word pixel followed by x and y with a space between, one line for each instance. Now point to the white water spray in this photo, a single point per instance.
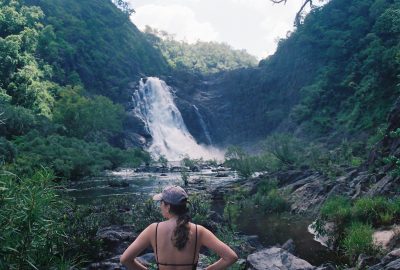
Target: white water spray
pixel 155 106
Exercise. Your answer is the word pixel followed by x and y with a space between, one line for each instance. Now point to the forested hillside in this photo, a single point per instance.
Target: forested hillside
pixel 337 74
pixel 202 57
pixel 95 43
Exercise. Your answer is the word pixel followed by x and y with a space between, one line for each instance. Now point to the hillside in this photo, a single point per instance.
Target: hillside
pixel 336 76
pixel 95 43
pixel 201 57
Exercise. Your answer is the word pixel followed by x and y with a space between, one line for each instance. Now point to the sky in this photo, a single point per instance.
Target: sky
pixel 253 25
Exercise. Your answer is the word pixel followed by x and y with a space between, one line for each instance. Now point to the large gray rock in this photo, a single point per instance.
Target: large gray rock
pixel 276 259
pixel 116 238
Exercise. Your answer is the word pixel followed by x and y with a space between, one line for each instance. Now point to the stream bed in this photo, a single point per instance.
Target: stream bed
pixel 271 229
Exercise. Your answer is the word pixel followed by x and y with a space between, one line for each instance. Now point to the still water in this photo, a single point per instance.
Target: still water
pixel 271 229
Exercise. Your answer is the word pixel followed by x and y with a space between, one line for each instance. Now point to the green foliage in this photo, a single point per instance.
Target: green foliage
pixel 105 53
pixel 7 151
pixel 394 162
pixel 354 222
pixel 200 207
pixel 185 176
pixel 267 198
pixel 23 79
pixel 17 121
pixel 358 241
pixel 92 119
pixel 371 210
pixel 145 211
pixel 237 159
pixel 124 6
pixel 284 147
pixel 345 89
pixel 70 158
pixel 283 151
pixel 32 222
pixel 202 57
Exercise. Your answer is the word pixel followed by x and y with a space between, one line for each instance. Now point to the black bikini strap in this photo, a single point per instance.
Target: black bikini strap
pixel 156 245
pixel 195 247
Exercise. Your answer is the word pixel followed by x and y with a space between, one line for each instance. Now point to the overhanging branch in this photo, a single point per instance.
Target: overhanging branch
pixel 297 20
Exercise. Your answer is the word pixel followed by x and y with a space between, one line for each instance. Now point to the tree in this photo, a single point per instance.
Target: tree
pixel 300 14
pixel 124 6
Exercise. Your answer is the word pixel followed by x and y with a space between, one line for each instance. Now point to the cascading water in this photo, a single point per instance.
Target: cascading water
pixel 203 124
pixel 155 106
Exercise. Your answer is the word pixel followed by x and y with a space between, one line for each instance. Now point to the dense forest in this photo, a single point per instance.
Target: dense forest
pixel 201 57
pixel 329 79
pixel 66 75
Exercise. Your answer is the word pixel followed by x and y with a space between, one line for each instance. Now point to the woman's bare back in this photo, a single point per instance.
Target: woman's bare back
pixel 167 253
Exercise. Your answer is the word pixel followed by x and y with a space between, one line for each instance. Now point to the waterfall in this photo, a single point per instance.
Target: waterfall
pixel 203 124
pixel 154 105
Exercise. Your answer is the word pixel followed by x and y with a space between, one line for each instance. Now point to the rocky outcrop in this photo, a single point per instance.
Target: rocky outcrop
pixel 115 239
pixel 390 262
pixel 276 259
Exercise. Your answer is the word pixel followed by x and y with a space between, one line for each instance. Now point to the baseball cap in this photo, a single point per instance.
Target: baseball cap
pixel 172 195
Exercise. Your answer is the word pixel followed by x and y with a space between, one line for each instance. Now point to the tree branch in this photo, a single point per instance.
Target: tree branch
pixel 297 20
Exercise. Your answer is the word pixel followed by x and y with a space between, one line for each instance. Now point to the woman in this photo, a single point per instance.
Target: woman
pixel 176 242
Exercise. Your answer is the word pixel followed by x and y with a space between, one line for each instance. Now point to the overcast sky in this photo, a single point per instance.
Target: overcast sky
pixel 254 25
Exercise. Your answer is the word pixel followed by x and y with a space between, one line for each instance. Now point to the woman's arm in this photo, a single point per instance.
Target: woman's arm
pixel 141 242
pixel 228 256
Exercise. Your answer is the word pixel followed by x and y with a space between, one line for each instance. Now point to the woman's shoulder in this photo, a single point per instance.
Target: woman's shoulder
pixel 152 227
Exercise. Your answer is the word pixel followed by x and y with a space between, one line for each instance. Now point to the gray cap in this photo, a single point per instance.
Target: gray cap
pixel 172 195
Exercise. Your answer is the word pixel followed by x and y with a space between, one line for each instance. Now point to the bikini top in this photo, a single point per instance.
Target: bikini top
pixel 194 265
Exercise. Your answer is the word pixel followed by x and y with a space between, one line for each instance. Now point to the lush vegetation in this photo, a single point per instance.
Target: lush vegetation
pixel 202 57
pixel 93 42
pixel 284 151
pixel 349 225
pixel 52 126
pixel 336 76
pixel 267 199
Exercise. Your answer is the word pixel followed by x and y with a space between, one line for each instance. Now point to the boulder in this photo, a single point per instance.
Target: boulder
pixel 276 259
pixel 289 246
pixel 116 238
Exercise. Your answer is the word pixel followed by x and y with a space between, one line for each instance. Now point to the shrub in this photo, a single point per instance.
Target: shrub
pixel 200 209
pixel 358 241
pixel 336 209
pixel 144 212
pixel 32 223
pixel 371 210
pixel 7 151
pixel 70 158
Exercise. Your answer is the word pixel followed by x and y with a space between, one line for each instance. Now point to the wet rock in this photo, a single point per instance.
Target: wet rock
pixel 391 256
pixel 289 246
pixel 288 177
pixel 394 265
pixel 390 262
pixel 364 261
pixel 326 266
pixel 220 174
pixel 195 168
pixel 276 259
